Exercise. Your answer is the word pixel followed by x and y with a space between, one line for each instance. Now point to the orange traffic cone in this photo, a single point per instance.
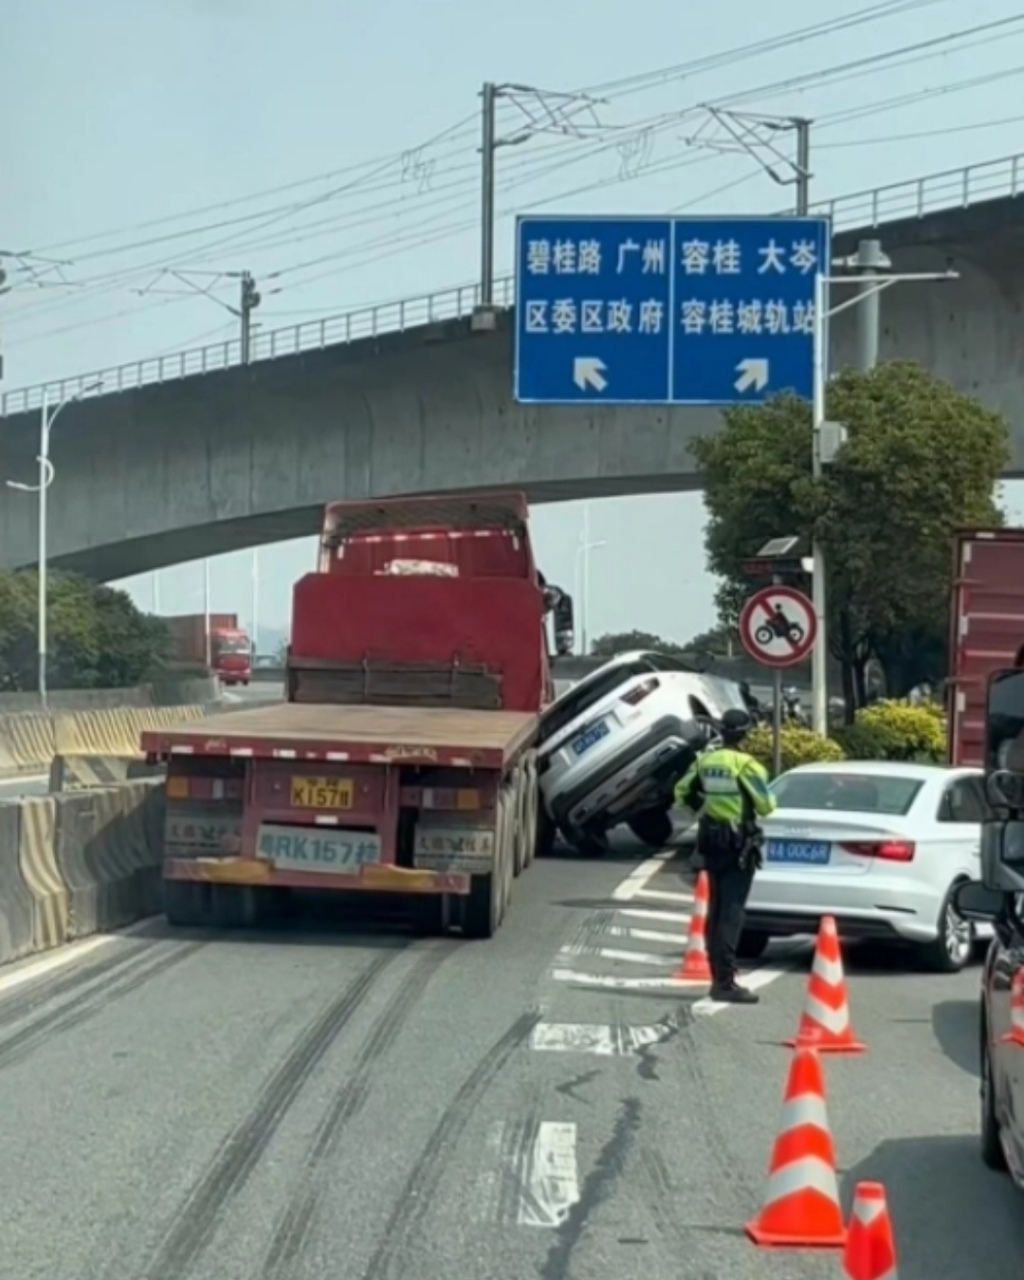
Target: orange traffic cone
pixel 1015 1035
pixel 870 1252
pixel 695 964
pixel 825 1021
pixel 801 1205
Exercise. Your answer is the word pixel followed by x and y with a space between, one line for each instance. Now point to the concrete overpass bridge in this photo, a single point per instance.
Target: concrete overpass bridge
pixel 195 454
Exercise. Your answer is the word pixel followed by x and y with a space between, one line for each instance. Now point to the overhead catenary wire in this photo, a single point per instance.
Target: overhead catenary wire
pixel 695 66
pixel 530 170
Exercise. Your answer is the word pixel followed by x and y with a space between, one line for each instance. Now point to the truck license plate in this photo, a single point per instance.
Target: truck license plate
pixel 322 793
pixel 335 852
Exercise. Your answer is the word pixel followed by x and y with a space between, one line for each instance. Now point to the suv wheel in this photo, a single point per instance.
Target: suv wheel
pixel 652 827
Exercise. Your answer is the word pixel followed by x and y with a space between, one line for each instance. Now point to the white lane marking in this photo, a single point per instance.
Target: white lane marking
pixel 666 895
pixel 604 1041
pixel 646 935
pixel 753 980
pixel 625 984
pixel 638 877
pixel 550 1182
pixel 663 917
pixel 610 953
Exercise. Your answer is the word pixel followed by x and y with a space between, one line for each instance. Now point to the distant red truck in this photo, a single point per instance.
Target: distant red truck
pixel 230 650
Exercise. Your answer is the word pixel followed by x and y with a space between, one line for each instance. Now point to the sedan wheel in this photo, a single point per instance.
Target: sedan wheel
pixel 952 949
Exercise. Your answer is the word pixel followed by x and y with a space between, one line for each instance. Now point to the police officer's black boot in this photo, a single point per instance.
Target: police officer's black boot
pixel 733 993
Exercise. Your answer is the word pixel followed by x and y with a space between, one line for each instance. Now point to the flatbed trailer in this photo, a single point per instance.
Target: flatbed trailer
pixel 403 760
pixel 437 803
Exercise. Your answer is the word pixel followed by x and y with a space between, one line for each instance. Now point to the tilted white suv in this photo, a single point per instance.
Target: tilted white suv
pixel 612 747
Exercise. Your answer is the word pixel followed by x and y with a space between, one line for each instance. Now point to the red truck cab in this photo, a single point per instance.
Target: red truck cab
pixel 231 654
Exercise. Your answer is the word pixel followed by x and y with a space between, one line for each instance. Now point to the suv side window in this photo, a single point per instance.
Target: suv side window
pixel 962 802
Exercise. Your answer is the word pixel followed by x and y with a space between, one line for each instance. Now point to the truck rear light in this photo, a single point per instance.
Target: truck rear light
pixel 887 850
pixel 177 787
pixel 641 691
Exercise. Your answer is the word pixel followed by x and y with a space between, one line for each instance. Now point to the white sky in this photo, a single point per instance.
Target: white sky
pixel 119 114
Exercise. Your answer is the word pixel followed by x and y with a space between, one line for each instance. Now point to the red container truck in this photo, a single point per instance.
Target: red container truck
pixel 986 631
pixel 230 650
pixel 402 760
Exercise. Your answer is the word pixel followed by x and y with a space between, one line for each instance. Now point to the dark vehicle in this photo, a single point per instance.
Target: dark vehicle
pixel 999 899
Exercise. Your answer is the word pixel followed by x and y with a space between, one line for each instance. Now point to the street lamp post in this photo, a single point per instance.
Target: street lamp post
pixel 583 574
pixel 827 436
pixel 46 474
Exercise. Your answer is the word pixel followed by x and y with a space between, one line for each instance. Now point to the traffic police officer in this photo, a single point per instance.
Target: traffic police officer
pixel 728 790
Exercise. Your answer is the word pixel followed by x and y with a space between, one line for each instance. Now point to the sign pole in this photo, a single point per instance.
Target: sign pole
pixel 777 722
pixel 819 654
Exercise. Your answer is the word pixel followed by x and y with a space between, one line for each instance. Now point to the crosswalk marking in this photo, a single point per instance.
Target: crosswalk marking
pixel 646 935
pixel 665 895
pixel 649 913
pixel 612 953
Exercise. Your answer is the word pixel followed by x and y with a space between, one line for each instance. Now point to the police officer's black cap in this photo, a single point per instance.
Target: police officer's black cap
pixel 735 722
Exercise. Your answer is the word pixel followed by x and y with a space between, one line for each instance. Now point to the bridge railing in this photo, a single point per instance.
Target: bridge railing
pixel 859 210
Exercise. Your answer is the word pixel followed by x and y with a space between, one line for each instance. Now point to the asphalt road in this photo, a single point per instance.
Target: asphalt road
pixel 329 1098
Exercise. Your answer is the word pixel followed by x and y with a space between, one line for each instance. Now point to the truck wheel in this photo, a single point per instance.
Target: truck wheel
pixel 188 904
pixel 428 915
pixel 527 833
pixel 547 831
pixel 484 908
pixel 236 906
pixel 652 827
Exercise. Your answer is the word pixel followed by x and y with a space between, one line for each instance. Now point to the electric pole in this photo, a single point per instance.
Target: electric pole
pixel 488 95
pixel 249 301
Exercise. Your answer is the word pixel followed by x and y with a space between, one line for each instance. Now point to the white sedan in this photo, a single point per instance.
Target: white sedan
pixel 880 845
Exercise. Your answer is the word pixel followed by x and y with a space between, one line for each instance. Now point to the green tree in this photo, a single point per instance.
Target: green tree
pixel 721 641
pixel 614 642
pixel 922 459
pixel 96 636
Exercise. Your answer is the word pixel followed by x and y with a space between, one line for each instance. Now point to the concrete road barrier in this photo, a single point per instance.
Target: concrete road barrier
pixel 85 773
pixel 29 741
pixel 107 856
pixel 38 863
pixel 77 864
pixel 16 901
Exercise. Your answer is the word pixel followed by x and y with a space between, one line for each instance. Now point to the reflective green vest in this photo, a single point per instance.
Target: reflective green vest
pixel 717 782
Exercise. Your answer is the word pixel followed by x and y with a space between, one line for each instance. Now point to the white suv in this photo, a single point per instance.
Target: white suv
pixel 611 748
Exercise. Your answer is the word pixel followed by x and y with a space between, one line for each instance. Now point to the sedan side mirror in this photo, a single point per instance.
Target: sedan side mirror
pixel 974 902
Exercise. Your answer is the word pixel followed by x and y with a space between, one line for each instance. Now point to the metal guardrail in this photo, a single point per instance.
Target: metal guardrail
pixel 872 208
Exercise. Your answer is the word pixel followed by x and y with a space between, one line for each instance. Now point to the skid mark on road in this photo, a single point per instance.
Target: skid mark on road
pixel 295 1223
pixel 195 1223
pixel 395 1256
pixel 103 984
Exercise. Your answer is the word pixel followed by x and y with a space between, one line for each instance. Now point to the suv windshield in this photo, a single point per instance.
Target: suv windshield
pixel 846 792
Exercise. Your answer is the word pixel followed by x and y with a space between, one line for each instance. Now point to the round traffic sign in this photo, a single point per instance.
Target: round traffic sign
pixel 778 626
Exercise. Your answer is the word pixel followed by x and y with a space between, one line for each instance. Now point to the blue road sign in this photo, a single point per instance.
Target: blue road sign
pixel 666 310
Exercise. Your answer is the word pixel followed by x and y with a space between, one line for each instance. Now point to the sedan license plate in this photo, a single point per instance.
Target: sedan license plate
pixel 807 852
pixel 333 850
pixel 322 793
pixel 593 735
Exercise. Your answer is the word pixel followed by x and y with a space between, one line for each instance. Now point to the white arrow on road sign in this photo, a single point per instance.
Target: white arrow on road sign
pixel 587 371
pixel 753 373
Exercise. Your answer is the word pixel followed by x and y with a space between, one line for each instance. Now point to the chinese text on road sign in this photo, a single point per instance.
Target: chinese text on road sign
pixel 778 626
pixel 666 310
